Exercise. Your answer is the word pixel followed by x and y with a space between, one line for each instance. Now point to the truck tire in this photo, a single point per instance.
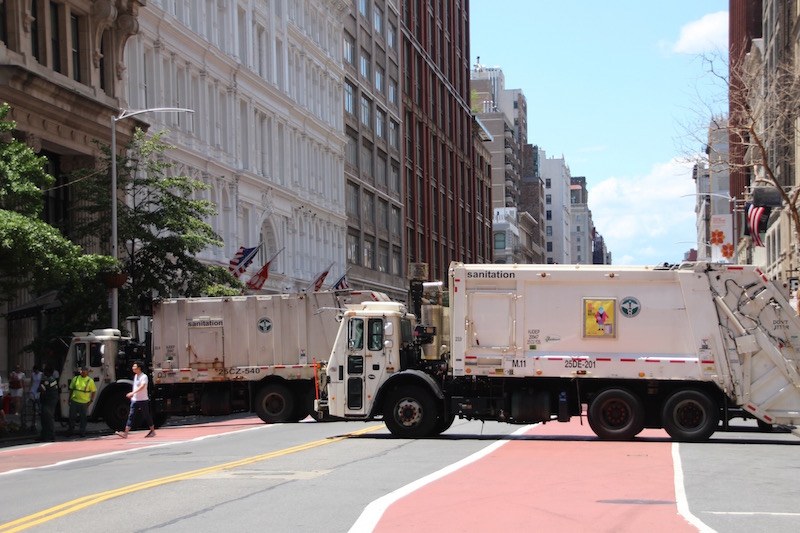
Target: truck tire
pixel 410 412
pixel 274 403
pixel 690 415
pixel 115 411
pixel 616 414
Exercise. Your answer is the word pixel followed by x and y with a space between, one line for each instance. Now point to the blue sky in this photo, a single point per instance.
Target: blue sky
pixel 620 90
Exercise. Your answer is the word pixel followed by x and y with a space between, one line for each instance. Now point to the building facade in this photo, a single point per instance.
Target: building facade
pixel 556 176
pixel 373 162
pixel 445 216
pixel 266 82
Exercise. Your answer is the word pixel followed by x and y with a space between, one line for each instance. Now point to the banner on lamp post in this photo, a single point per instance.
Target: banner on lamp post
pixel 722 238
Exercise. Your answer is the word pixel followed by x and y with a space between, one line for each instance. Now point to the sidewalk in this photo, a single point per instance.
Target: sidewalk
pixel 17 431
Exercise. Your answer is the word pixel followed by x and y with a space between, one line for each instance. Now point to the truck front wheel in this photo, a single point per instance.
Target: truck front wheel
pixel 690 415
pixel 115 411
pixel 410 412
pixel 274 403
pixel 616 414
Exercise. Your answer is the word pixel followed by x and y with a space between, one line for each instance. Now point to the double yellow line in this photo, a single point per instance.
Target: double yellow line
pixel 85 501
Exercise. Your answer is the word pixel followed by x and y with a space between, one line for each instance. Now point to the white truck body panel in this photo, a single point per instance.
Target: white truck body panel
pixel 243 338
pixel 541 320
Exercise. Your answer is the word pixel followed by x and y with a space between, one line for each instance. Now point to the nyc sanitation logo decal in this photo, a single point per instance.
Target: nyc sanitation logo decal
pixel 264 325
pixel 630 306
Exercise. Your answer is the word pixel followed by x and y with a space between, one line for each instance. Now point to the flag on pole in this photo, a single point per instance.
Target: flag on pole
pixel 319 280
pixel 256 282
pixel 756 220
pixel 238 265
pixel 341 284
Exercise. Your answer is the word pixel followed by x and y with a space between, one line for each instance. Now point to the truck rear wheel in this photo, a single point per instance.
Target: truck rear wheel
pixel 690 415
pixel 616 414
pixel 410 412
pixel 274 403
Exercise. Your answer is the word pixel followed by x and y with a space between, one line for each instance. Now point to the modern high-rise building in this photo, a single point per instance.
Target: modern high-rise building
pixel 557 181
pixel 582 230
pixel 444 216
pixel 373 163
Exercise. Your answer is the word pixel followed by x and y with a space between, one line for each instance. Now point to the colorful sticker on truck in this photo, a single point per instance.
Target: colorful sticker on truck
pixel 598 317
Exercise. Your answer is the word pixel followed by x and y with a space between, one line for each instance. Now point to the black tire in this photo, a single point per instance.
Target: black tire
pixel 116 409
pixel 690 415
pixel 410 412
pixel 305 404
pixel 274 403
pixel 616 414
pixel 443 423
pixel 765 427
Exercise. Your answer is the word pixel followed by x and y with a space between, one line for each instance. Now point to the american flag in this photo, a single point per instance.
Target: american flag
pixel 317 283
pixel 342 284
pixel 754 216
pixel 238 265
pixel 256 282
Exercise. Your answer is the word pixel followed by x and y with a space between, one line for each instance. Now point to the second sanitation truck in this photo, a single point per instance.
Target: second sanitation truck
pixel 679 348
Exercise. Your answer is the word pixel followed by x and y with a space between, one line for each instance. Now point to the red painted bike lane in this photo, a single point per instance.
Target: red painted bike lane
pixel 555 477
pixel 38 455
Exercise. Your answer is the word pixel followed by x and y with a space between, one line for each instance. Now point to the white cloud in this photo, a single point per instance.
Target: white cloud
pixel 646 220
pixel 707 35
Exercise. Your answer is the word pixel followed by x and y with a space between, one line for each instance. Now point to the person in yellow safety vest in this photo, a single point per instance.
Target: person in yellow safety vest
pixel 82 394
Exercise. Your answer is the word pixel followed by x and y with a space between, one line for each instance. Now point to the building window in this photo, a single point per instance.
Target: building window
pixel 394 178
pixel 548 199
pixel 363 7
pixel 369 254
pixel 380 171
pixel 380 121
pixel 366 159
pixel 352 200
pixel 365 59
pixel 351 150
pixel 379 79
pixel 396 221
pixel 349 98
pixel 548 215
pixel 391 38
pixel 55 37
pixel 549 246
pixel 353 249
pixel 378 20
pixel 549 231
pixel 393 136
pixel 392 92
pixel 500 241
pixel 383 216
pixel 383 258
pixel 547 183
pixel 76 48
pixel 369 208
pixel 365 111
pixel 349 50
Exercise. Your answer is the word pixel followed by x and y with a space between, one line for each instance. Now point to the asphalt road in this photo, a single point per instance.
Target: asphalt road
pixel 237 473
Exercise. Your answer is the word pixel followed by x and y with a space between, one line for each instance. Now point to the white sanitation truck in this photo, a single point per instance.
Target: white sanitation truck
pixel 212 356
pixel 680 348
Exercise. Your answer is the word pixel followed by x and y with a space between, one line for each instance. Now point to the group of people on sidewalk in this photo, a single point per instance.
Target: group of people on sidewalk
pixel 44 393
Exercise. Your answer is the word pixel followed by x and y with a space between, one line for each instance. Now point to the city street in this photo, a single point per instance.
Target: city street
pixel 239 473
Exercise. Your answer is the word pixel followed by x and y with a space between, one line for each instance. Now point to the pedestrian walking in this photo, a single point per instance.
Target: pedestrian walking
pixel 15 386
pixel 48 396
pixel 140 402
pixel 2 402
pixel 82 393
pixel 33 394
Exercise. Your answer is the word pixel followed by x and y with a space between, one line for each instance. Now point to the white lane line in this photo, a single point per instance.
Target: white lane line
pixel 374 511
pixel 680 494
pixel 147 446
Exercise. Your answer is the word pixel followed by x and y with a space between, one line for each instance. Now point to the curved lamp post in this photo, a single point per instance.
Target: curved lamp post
pixel 124 113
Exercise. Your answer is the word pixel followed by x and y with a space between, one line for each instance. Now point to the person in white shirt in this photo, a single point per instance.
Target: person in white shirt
pixel 140 402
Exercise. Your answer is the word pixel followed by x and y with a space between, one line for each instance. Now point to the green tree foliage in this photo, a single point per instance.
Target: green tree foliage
pixel 34 256
pixel 160 225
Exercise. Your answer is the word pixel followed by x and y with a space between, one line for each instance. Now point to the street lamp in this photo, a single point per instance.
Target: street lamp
pixel 124 113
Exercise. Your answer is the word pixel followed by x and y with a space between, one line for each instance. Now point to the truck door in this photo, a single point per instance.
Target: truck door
pixel 365 364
